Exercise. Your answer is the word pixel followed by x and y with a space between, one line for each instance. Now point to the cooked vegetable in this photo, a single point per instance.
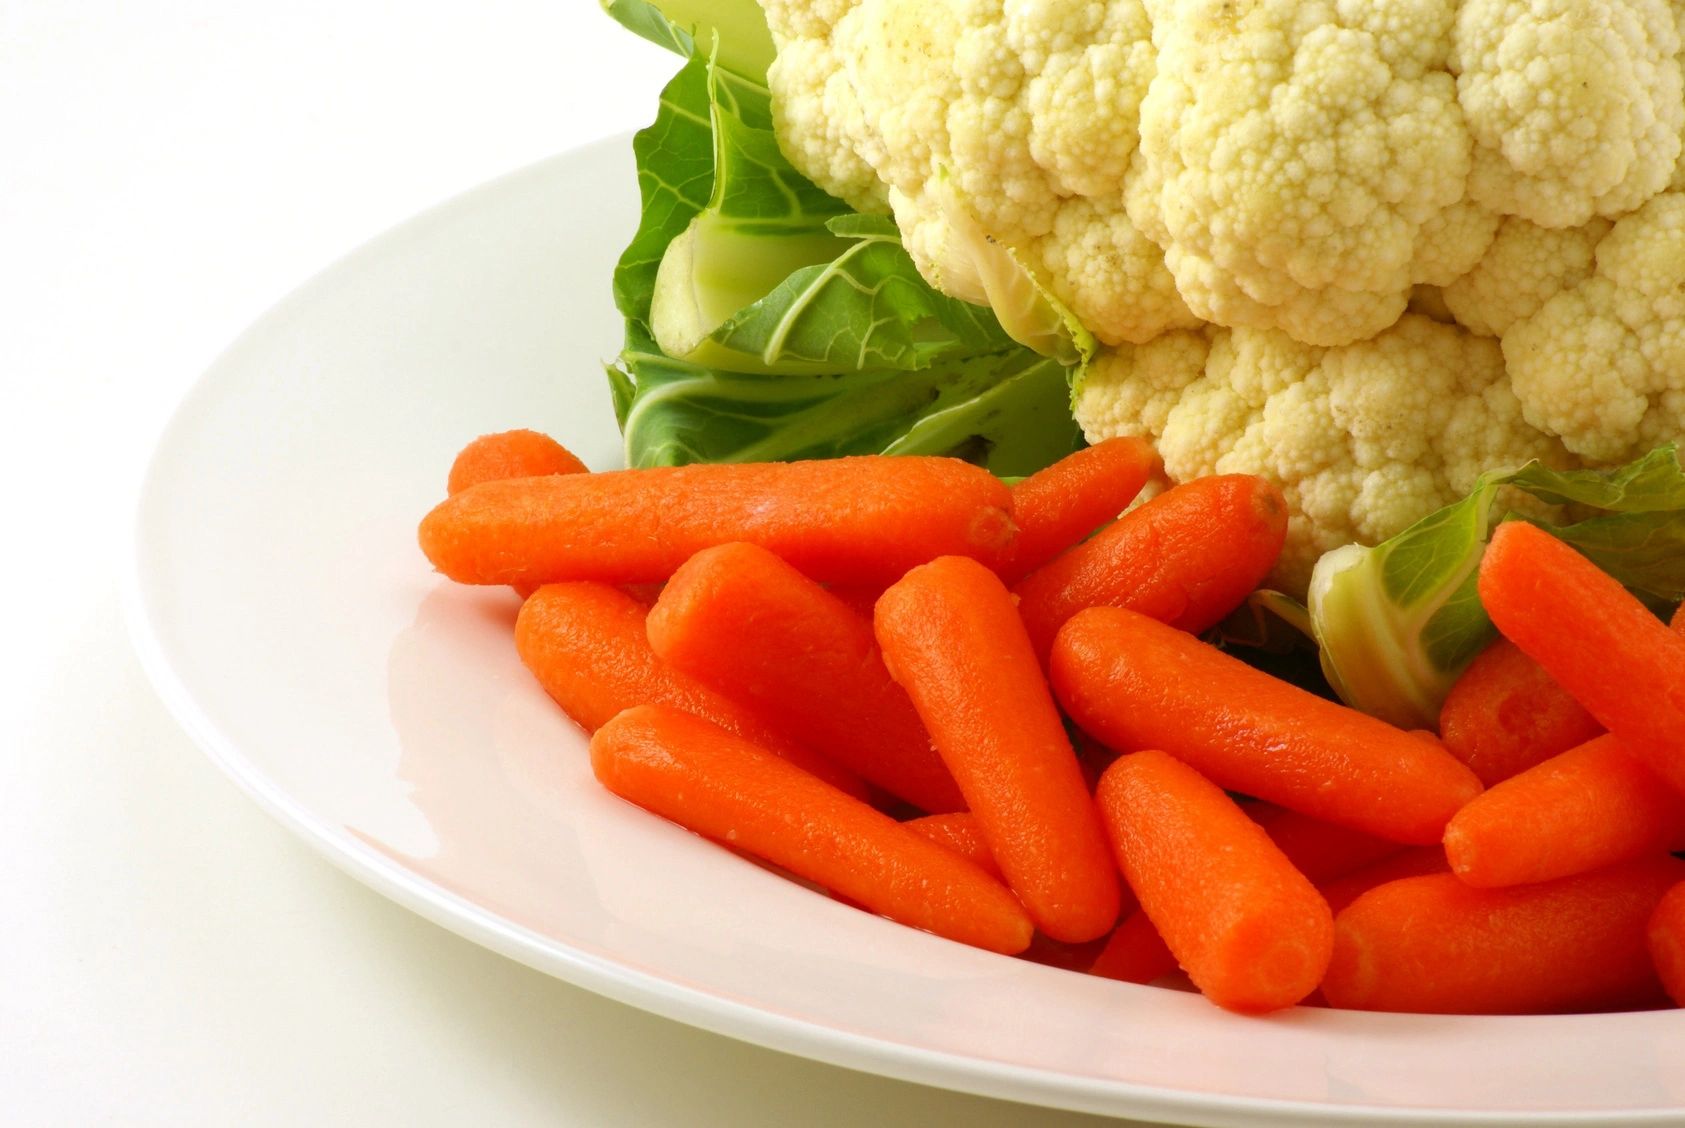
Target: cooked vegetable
pixel 1589 807
pixel 585 644
pixel 1432 944
pixel 951 636
pixel 1135 683
pixel 706 779
pixel 767 320
pixel 1504 714
pixel 1606 648
pixel 1397 623
pixel 851 520
pixel 1248 928
pixel 739 619
pixel 1057 507
pixel 1187 557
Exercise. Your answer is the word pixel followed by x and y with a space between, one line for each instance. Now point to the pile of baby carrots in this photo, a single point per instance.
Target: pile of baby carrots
pixel 987 712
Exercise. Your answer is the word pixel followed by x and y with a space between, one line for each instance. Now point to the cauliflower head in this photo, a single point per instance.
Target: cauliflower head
pixel 1241 200
pixel 1365 438
pixel 1602 364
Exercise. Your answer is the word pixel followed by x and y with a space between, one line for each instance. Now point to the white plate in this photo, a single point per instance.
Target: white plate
pixel 288 619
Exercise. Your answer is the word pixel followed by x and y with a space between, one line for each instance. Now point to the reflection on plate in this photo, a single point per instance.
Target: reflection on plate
pixel 286 616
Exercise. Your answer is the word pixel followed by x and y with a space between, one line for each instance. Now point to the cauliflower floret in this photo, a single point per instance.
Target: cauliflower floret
pixel 1016 118
pixel 1302 159
pixel 1130 390
pixel 1524 268
pixel 820 126
pixel 1109 275
pixel 1575 105
pixel 1364 439
pixel 1603 364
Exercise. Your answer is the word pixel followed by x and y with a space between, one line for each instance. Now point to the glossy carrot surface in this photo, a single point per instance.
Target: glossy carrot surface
pixel 510 454
pixel 739 619
pixel 951 636
pixel 1187 557
pixel 1588 807
pixel 1058 507
pixel 1135 683
pixel 1594 638
pixel 860 520
pixel 723 787
pixel 1247 927
pixel 1433 944
pixel 1505 714
pixel 586 644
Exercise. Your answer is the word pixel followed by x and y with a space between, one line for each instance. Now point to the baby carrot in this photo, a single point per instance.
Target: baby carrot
pixel 510 454
pixel 951 636
pixel 1432 944
pixel 1319 850
pixel 1667 940
pixel 1412 861
pixel 586 645
pixel 1602 645
pixel 739 619
pixel 1505 714
pixel 959 832
pixel 1134 953
pixel 1589 807
pixel 721 786
pixel 1057 507
pixel 1135 683
pixel 856 520
pixel 1187 558
pixel 1250 931
pixel 858 599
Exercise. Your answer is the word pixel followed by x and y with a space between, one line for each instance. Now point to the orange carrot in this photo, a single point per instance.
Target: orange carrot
pixel 1432 944
pixel 1134 953
pixel 726 788
pixel 1319 850
pixel 1250 931
pixel 586 645
pixel 1602 645
pixel 510 454
pixel 1057 507
pixel 951 636
pixel 959 832
pixel 1667 938
pixel 1135 683
pixel 739 619
pixel 1505 714
pixel 857 520
pixel 1412 861
pixel 858 599
pixel 1187 558
pixel 1589 807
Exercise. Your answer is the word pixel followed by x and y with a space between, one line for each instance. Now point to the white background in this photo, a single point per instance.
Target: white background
pixel 168 170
